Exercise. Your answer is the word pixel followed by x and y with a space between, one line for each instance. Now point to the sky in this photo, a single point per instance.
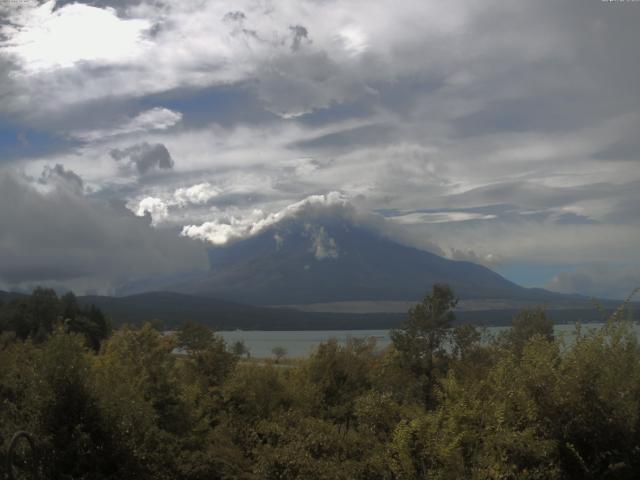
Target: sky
pixel 134 133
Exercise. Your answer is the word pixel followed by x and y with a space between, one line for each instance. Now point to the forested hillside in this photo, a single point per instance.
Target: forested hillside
pixel 440 402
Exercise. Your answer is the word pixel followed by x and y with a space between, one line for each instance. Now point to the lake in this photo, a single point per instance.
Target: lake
pixel 301 343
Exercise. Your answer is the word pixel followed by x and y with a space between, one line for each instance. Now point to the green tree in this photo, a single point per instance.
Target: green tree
pixel 37 315
pixel 465 340
pixel 209 358
pixel 421 342
pixel 526 325
pixel 339 375
pixel 75 441
pixel 34 316
pixel 44 310
pixel 69 306
pixel 91 323
pixel 138 388
pixel 279 353
pixel 194 336
pixel 239 349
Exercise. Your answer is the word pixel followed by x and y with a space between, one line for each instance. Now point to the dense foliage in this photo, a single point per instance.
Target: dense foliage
pixel 440 402
pixel 36 316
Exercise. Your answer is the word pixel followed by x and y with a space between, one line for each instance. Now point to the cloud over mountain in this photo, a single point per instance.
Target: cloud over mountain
pixel 519 150
pixel 227 229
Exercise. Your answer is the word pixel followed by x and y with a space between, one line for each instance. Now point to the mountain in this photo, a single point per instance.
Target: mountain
pixel 337 260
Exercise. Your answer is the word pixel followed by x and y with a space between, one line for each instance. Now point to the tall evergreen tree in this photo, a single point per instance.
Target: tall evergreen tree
pixel 420 343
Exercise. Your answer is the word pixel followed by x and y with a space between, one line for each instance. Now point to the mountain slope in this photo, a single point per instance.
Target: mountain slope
pixel 331 260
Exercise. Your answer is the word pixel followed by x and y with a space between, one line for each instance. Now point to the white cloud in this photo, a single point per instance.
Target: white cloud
pixel 43 39
pixel 168 45
pixel 162 208
pixel 279 240
pixel 154 119
pixel 440 217
pixel 469 255
pixel 322 245
pixel 197 194
pixel 155 207
pixel 221 231
pixel 354 40
pixel 216 233
pixel 149 120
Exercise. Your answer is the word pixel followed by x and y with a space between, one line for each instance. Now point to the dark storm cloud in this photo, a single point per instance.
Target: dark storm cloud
pixel 94 244
pixel 58 175
pixel 144 157
pixel 300 36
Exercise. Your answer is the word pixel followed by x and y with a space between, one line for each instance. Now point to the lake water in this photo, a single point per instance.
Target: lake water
pixel 301 343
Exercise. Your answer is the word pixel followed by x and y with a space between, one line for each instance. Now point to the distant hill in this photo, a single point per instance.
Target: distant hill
pixel 170 310
pixel 335 260
pixel 10 295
